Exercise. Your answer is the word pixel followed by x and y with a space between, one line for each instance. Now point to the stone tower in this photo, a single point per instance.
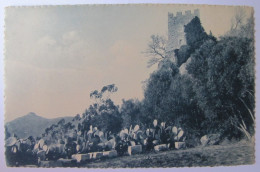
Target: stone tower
pixel 176 35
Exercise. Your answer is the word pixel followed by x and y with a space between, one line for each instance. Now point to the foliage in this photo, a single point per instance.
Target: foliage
pixel 157 89
pixel 217 93
pixel 224 81
pixel 108 117
pixel 104 114
pixel 239 29
pixel 195 34
pixel 195 37
pixel 105 91
pixel 131 112
pixel 182 54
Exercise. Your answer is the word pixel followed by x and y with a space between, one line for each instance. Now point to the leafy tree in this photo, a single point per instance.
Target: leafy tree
pixel 108 118
pixel 76 118
pixel 130 112
pixel 61 122
pixel 224 82
pixel 104 114
pixel 157 89
pixel 103 94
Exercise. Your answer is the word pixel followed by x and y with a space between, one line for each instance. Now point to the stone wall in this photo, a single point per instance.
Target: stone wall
pixel 176 35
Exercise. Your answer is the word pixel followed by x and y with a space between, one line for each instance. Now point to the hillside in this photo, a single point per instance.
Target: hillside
pixel 31 125
pixel 217 155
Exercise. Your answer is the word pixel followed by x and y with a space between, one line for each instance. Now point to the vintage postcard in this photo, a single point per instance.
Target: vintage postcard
pixel 129 86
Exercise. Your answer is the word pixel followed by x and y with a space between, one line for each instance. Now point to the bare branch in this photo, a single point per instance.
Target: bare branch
pixel 238 19
pixel 156 49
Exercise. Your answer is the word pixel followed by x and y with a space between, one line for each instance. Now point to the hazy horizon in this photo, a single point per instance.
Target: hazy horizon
pixel 56 55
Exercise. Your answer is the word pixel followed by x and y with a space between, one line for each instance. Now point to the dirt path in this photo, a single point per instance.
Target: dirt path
pixel 228 155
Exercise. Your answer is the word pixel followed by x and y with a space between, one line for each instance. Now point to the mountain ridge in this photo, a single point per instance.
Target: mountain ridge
pixel 32 124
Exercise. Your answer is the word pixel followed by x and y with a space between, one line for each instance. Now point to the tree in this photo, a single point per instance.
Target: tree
pixel 238 20
pixel 108 118
pixel 157 88
pixel 156 50
pixel 104 114
pixel 244 27
pixel 217 95
pixel 105 91
pixel 224 82
pixel 130 112
pixel 61 122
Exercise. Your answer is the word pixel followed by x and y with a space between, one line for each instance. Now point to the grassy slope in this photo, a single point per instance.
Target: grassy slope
pixel 220 155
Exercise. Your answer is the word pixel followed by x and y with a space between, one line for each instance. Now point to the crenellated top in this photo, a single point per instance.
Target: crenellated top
pixel 187 13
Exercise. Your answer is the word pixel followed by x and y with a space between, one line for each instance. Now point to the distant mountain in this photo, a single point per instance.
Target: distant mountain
pixel 31 125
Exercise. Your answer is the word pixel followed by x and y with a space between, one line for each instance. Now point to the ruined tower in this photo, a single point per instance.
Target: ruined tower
pixel 176 35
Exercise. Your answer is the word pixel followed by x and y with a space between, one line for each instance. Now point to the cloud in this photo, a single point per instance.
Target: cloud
pixel 70 37
pixel 68 51
pixel 46 40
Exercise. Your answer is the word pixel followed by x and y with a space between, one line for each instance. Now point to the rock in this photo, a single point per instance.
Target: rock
pixel 162 147
pixel 48 164
pixel 210 139
pixel 90 155
pixel 110 154
pixel 213 139
pixel 67 162
pixel 204 140
pixel 179 145
pixel 134 149
pixel 81 157
pixel 97 155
